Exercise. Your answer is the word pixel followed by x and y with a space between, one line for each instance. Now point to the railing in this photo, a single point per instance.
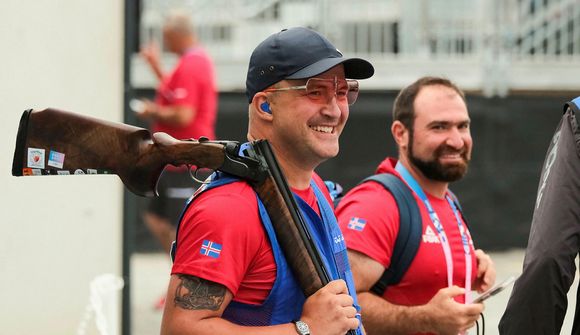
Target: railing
pixel 492 46
pixel 550 30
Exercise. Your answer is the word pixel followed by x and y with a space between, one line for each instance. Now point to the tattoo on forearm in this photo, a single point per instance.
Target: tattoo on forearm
pixel 195 293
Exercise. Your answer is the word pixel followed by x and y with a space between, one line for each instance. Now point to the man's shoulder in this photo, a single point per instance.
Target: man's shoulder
pixel 233 205
pixel 233 195
pixel 234 189
pixel 369 192
pixel 196 56
pixel 371 202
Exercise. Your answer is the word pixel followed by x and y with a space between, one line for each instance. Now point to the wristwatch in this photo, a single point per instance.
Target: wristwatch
pixel 301 327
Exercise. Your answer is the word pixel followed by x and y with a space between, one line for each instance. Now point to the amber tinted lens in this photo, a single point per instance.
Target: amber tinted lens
pixel 352 94
pixel 323 90
pixel 320 90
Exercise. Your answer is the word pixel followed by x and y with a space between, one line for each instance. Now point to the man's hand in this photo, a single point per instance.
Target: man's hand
pixel 148 111
pixel 150 53
pixel 330 310
pixel 448 317
pixel 485 272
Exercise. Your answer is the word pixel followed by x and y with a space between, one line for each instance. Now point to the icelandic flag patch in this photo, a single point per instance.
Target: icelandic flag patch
pixel 210 248
pixel 357 224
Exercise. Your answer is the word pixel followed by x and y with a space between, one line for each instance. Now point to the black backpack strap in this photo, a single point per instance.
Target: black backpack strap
pixel 410 230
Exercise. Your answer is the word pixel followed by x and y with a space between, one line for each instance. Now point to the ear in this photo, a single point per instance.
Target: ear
pixel 262 106
pixel 400 134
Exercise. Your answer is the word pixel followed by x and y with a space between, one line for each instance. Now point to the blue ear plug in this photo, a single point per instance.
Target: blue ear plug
pixel 266 107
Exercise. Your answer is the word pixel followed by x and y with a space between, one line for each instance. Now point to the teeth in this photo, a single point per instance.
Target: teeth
pixel 322 129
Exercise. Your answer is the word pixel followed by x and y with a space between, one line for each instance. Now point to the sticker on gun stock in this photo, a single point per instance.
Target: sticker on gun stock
pixel 31 172
pixel 56 159
pixel 35 158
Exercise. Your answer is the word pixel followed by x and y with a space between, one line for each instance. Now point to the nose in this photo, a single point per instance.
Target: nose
pixel 455 139
pixel 332 108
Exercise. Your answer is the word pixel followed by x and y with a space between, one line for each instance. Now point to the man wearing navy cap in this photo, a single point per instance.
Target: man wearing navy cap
pixel 229 275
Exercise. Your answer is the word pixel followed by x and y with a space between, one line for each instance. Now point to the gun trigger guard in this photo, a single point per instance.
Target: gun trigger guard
pixel 194 175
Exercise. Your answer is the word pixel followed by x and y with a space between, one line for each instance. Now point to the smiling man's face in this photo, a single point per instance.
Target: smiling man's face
pixel 440 142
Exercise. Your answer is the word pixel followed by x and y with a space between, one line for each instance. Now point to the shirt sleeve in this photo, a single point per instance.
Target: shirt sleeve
pixel 369 219
pixel 219 236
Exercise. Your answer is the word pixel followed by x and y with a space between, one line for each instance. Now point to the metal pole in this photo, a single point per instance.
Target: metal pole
pixel 132 14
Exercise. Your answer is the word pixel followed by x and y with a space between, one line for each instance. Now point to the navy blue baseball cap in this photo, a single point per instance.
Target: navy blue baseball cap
pixel 298 53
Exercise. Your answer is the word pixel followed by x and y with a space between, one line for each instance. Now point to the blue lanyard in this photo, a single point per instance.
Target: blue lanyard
pixel 414 185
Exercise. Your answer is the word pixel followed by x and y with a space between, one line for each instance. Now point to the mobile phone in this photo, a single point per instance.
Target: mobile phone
pixel 494 290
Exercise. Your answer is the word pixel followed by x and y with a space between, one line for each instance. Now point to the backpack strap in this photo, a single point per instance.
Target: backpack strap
pixel 335 190
pixel 410 229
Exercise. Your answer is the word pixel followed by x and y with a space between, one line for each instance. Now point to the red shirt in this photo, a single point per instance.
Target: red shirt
pixel 192 84
pixel 228 215
pixel 427 273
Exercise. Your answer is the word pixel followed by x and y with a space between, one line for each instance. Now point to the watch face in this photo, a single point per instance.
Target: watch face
pixel 302 327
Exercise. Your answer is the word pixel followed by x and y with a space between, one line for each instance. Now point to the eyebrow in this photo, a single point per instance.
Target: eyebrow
pixel 446 123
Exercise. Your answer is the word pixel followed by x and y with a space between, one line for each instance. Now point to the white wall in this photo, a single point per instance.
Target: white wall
pixel 57 232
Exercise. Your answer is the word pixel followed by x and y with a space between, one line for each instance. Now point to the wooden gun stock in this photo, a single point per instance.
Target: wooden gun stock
pixel 51 142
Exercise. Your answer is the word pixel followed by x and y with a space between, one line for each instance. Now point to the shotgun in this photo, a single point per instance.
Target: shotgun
pixel 55 142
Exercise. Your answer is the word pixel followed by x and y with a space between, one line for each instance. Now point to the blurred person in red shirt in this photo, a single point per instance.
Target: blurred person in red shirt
pixel 185 107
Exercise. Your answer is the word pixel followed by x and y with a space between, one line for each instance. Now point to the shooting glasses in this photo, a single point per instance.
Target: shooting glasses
pixel 321 90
